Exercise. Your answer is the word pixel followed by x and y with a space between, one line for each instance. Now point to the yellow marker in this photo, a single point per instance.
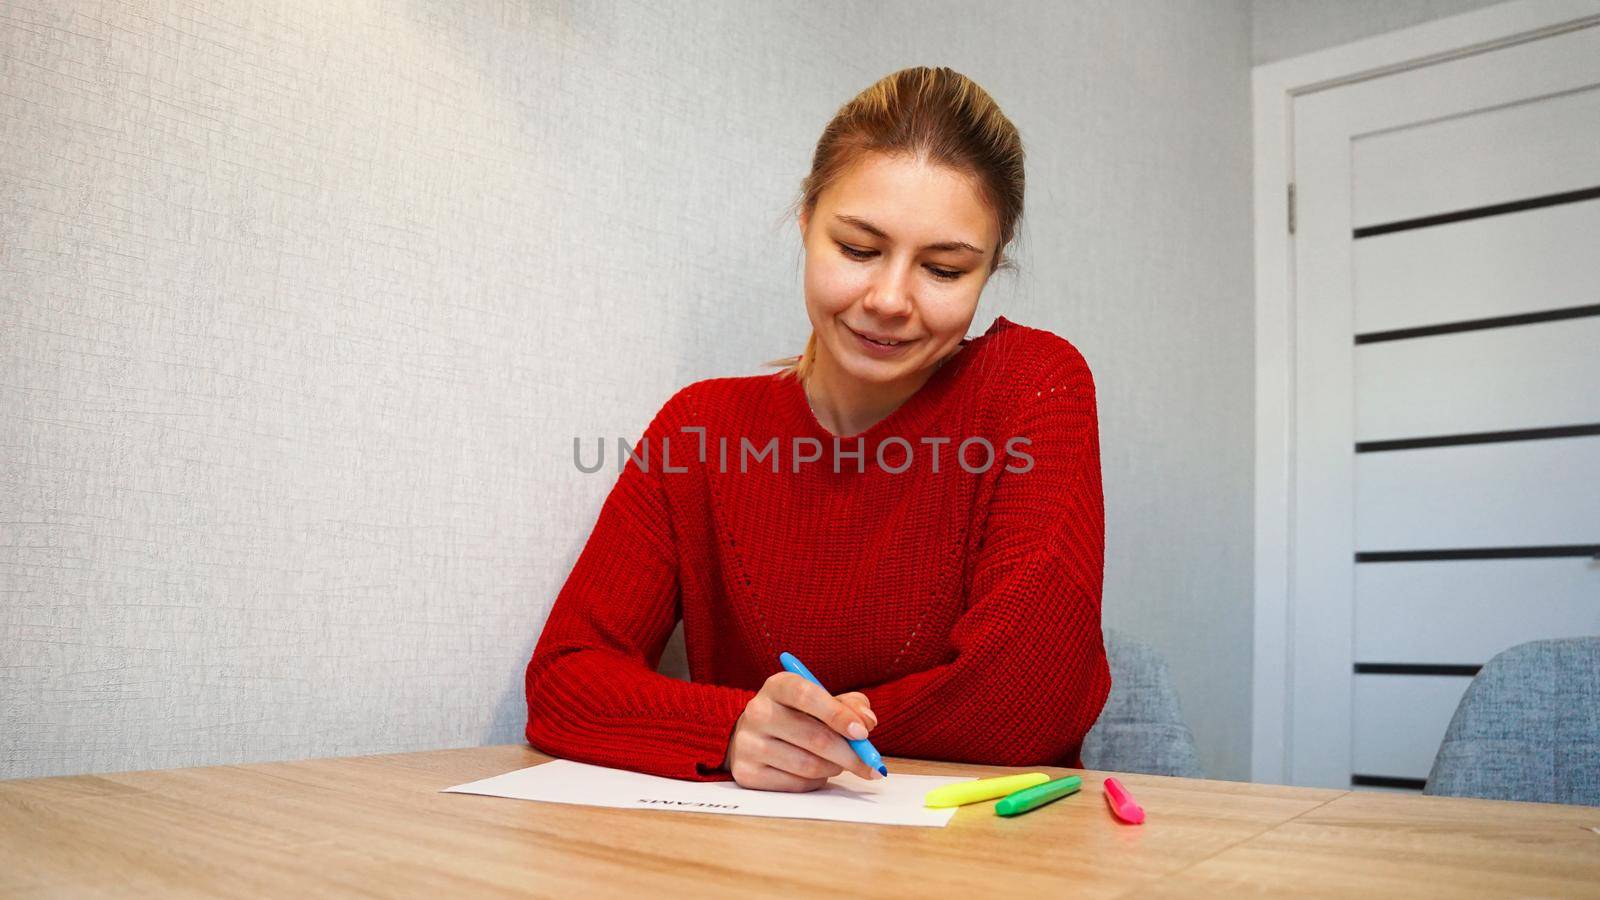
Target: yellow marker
pixel 982 789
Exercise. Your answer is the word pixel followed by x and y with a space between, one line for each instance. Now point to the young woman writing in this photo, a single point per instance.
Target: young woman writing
pixel 951 592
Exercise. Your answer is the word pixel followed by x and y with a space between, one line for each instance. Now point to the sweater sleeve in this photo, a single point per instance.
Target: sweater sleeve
pixel 593 693
pixel 1029 674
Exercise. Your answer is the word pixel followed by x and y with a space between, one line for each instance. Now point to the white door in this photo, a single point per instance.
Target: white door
pixel 1446 358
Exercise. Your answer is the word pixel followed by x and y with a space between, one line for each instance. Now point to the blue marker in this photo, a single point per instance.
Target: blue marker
pixel 863 747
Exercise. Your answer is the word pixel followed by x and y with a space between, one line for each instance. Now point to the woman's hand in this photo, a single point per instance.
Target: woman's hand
pixel 792 736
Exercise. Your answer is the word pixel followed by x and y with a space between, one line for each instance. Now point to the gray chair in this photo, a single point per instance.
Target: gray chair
pixel 1528 727
pixel 1141 728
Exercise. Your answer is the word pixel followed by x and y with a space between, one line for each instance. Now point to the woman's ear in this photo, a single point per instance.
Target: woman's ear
pixel 805 216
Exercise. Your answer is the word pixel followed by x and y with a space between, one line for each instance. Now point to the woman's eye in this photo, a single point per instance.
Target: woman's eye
pixel 941 274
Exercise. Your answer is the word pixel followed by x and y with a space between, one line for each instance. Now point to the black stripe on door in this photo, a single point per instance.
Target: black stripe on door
pixel 1530 318
pixel 1388 781
pixel 1382 556
pixel 1416 669
pixel 1479 212
pixel 1479 437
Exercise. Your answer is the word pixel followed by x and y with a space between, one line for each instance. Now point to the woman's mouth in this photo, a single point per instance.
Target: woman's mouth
pixel 877 347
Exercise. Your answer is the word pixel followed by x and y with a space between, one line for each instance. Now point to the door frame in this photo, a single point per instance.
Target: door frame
pixel 1274 87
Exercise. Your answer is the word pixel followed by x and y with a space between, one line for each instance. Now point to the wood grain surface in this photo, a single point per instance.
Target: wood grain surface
pixel 378 826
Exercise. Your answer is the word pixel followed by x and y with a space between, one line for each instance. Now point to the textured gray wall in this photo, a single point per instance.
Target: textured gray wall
pixel 302 303
pixel 1285 28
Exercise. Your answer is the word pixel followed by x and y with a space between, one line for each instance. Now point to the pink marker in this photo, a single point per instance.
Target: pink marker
pixel 1121 802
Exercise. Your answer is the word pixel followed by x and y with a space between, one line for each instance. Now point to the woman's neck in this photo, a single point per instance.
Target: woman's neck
pixel 847 406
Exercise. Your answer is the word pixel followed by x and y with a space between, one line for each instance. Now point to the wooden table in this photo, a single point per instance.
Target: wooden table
pixel 378 826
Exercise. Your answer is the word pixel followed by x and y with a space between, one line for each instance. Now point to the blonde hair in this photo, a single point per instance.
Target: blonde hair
pixel 936 114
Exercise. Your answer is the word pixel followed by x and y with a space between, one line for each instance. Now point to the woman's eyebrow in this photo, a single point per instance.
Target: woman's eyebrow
pixel 870 228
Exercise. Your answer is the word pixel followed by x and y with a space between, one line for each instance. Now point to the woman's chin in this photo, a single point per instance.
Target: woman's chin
pixel 880 371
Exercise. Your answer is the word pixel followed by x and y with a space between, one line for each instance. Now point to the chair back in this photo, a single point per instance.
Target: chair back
pixel 1528 727
pixel 1141 728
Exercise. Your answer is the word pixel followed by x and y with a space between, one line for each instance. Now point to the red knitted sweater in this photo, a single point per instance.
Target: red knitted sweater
pixel 962 599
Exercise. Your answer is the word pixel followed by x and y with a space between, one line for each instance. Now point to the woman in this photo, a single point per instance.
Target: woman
pixel 955 605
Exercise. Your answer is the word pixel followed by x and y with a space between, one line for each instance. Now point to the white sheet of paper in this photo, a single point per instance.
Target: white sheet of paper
pixel 896 800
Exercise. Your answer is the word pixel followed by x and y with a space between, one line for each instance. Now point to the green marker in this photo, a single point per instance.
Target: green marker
pixel 1034 797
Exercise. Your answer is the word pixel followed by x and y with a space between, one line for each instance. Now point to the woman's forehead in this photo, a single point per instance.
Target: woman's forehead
pixel 907 199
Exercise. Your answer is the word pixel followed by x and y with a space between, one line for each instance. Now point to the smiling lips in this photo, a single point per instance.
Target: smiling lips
pixel 882 342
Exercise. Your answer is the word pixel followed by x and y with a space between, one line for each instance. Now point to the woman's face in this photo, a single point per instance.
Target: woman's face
pixel 896 250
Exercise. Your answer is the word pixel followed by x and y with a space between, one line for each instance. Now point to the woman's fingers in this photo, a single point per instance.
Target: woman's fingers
pixel 863 707
pixel 766 778
pixel 793 691
pixel 806 733
pixel 792 736
pixel 782 755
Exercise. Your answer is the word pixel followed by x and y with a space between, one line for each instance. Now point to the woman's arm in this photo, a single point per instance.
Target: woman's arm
pixel 593 693
pixel 1029 676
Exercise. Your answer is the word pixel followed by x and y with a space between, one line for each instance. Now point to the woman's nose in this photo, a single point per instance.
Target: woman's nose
pixel 888 295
